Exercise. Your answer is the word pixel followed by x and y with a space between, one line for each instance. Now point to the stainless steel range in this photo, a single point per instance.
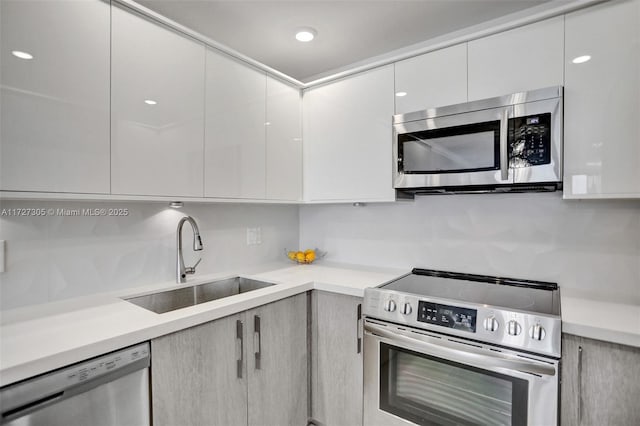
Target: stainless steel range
pixel 444 348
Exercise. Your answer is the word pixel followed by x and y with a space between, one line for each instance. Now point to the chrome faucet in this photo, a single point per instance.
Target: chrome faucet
pixel 181 270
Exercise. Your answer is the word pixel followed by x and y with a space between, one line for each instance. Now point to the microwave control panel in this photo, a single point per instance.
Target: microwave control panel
pixel 530 140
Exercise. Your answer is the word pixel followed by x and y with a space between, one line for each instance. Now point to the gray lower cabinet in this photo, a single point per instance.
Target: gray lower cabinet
pixel 336 381
pixel 277 363
pixel 600 383
pixel 245 369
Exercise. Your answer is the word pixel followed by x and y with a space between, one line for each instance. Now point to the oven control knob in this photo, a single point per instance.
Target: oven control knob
pixel 406 309
pixel 389 305
pixel 537 332
pixel 514 328
pixel 491 323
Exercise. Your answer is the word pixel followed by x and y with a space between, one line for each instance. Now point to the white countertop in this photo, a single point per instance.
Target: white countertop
pixel 592 316
pixel 41 338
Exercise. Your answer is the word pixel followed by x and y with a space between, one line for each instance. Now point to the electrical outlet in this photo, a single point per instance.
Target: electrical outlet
pixel 254 236
pixel 2 252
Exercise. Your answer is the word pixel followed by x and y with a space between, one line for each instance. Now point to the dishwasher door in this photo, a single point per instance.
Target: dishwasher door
pixel 111 390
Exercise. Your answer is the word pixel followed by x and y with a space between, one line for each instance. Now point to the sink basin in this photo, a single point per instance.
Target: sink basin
pixel 166 301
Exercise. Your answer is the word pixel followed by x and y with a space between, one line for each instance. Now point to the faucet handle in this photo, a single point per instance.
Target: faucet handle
pixel 192 269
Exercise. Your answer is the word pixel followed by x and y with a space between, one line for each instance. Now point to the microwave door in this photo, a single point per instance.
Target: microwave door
pixel 459 150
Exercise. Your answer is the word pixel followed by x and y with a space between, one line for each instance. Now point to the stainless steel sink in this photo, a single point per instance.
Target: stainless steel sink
pixel 166 301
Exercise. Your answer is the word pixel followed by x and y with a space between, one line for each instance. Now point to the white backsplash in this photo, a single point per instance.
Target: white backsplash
pixel 586 245
pixel 57 257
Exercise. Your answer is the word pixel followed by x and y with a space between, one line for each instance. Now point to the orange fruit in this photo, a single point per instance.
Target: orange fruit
pixel 310 257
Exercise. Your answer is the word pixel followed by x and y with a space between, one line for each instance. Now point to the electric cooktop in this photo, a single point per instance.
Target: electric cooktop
pixel 516 313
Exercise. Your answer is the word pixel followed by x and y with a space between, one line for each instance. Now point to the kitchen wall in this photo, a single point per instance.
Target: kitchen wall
pixel 586 245
pixel 57 257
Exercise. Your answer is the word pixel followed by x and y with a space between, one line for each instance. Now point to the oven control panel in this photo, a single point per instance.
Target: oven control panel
pixel 447 316
pixel 490 324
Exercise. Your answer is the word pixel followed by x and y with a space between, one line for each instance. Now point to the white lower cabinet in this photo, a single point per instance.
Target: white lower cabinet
pixel 599 383
pixel 347 138
pixel 157 109
pixel 602 102
pixel 245 369
pixel 337 366
pixel 54 95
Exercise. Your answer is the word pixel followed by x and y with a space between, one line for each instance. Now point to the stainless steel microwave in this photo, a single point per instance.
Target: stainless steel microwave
pixel 508 143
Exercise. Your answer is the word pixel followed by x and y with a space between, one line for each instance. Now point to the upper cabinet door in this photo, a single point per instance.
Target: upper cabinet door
pixel 235 129
pixel 284 141
pixel 602 102
pixel 522 59
pixel 157 109
pixel 55 99
pixel 347 138
pixel 431 80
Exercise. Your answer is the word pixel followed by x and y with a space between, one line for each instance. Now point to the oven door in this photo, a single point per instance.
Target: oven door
pixel 455 150
pixel 413 377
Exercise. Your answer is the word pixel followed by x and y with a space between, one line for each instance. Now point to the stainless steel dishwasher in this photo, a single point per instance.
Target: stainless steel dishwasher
pixel 109 390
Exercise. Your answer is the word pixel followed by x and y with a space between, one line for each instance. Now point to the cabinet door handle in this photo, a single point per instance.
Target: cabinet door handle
pixel 579 385
pixel 257 340
pixel 240 348
pixel 359 329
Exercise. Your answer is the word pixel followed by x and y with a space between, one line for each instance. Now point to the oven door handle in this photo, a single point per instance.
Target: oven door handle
pixel 468 356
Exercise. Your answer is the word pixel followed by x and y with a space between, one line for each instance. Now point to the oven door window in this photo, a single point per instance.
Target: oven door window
pixel 467 148
pixel 432 391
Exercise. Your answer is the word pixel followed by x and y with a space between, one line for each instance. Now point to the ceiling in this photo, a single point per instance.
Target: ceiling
pixel 348 30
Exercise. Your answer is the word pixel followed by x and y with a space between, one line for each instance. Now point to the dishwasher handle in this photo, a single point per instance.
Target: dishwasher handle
pixel 31 395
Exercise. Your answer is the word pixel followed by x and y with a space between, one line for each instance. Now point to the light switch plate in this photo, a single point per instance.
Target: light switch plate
pixel 3 244
pixel 254 236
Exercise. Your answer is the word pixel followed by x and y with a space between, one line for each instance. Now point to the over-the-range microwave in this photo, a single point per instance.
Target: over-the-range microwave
pixel 508 143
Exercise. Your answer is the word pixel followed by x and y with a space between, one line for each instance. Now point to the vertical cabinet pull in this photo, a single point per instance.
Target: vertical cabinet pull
pixel 257 340
pixel 359 329
pixel 579 385
pixel 239 348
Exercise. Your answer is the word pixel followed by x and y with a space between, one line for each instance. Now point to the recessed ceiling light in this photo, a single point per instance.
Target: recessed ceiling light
pixel 305 34
pixel 150 102
pixel 581 59
pixel 176 204
pixel 22 55
pixel 401 94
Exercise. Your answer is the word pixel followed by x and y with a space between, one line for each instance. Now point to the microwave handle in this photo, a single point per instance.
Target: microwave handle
pixel 504 140
pixel 468 356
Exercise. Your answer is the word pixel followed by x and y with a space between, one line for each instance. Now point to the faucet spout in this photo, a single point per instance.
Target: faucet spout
pixel 181 269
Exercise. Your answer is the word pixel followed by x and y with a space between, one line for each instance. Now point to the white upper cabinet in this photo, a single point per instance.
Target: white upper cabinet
pixel 54 130
pixel 522 59
pixel 235 129
pixel 284 142
pixel 347 138
pixel 431 80
pixel 602 102
pixel 157 109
